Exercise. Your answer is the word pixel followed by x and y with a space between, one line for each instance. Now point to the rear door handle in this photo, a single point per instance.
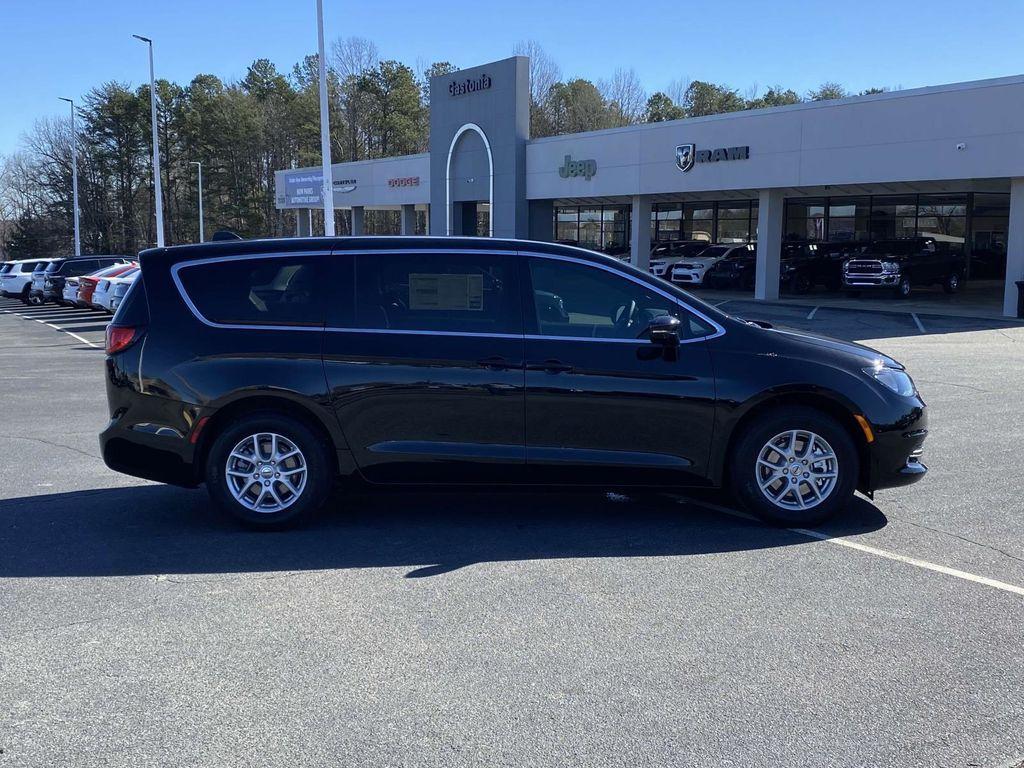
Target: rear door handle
pixel 551 366
pixel 495 363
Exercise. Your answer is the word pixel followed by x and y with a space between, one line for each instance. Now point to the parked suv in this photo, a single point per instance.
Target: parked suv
pixel 664 255
pixel 16 278
pixel 899 265
pixel 267 369
pixel 691 271
pixel 50 285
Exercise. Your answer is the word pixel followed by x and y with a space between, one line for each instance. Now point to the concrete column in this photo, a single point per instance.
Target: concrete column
pixel 640 233
pixel 541 220
pixel 769 244
pixel 303 222
pixel 1014 247
pixel 426 221
pixel 357 220
pixel 408 220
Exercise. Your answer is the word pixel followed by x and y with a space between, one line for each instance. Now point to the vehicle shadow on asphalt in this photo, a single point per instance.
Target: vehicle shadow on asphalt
pixel 159 529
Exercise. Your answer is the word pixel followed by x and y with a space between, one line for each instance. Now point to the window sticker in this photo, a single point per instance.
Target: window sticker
pixel 446 292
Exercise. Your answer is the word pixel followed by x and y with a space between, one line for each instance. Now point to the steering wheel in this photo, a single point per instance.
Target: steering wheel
pixel 625 316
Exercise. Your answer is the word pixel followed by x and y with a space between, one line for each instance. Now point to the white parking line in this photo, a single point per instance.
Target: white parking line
pixel 844 542
pixel 917 322
pixel 51 325
pixel 812 313
pixel 721 303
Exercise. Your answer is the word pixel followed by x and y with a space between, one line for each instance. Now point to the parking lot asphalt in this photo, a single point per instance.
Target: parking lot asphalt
pixel 518 629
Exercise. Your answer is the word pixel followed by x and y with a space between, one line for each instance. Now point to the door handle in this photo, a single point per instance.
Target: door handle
pixel 551 366
pixel 495 363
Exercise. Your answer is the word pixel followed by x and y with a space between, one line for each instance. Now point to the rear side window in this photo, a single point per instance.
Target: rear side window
pixel 442 292
pixel 257 291
pixel 134 309
pixel 5 268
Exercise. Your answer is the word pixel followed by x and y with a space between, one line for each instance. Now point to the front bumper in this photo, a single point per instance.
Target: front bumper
pixel 688 276
pixel 867 282
pixel 895 456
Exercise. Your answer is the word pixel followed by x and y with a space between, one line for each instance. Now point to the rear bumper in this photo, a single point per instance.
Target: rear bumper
pixel 160 453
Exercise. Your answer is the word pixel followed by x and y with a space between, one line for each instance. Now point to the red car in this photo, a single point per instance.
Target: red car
pixel 87 283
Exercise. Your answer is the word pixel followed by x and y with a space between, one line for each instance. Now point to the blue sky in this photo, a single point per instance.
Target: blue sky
pixel 54 48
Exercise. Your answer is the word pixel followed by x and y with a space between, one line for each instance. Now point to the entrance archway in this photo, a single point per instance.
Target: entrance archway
pixel 448 176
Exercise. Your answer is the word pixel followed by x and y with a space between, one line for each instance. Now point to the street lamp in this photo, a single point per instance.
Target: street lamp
pixel 156 147
pixel 325 128
pixel 197 163
pixel 74 175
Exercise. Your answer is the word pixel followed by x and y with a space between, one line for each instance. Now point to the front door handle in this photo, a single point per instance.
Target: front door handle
pixel 551 366
pixel 495 363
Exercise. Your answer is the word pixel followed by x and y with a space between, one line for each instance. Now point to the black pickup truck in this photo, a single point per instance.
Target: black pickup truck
pixel 899 265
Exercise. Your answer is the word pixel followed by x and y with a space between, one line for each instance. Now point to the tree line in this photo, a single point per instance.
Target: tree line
pixel 242 132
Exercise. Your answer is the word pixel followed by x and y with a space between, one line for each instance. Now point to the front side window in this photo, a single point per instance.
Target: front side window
pixel 440 292
pixel 580 301
pixel 257 291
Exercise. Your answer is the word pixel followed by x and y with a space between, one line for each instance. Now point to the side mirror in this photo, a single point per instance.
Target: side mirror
pixel 664 330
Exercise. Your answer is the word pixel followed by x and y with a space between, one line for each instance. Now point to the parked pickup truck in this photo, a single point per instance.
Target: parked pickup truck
pixel 900 265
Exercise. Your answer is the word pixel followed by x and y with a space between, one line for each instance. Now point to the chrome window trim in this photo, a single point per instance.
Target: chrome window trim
pixel 176 269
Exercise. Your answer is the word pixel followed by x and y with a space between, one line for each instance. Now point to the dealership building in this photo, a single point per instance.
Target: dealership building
pixel 946 161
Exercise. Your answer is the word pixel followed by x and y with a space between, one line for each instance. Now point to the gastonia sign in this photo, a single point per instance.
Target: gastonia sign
pixel 688 154
pixel 469 85
pixel 571 168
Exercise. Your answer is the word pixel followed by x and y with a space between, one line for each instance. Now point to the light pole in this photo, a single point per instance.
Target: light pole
pixel 156 147
pixel 74 175
pixel 325 128
pixel 197 163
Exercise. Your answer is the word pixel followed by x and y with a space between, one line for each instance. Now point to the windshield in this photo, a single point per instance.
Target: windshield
pixel 716 251
pixel 53 266
pixel 898 247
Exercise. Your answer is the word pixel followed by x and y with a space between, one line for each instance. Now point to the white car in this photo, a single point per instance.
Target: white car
pixel 111 290
pixel 70 293
pixel 664 255
pixel 691 271
pixel 16 278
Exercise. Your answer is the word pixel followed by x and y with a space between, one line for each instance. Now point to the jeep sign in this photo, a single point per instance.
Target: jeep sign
pixel 688 154
pixel 585 168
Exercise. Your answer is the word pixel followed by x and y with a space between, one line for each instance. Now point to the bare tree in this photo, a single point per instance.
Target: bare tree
pixel 677 89
pixel 544 72
pixel 625 95
pixel 352 56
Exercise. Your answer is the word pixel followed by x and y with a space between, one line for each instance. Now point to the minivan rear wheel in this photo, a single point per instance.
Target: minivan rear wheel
pixel 269 471
pixel 795 466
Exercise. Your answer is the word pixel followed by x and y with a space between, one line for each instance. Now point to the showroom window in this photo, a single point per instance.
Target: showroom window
pixel 734 222
pixel 943 216
pixel 666 222
pixel 601 227
pixel 990 222
pixel 699 222
pixel 453 292
pixel 805 219
pixel 893 216
pixel 848 219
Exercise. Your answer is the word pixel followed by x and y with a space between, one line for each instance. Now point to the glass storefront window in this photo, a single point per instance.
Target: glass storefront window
pixel 893 216
pixel 567 224
pixel 805 219
pixel 699 221
pixel 590 227
pixel 666 218
pixel 613 229
pixel 848 218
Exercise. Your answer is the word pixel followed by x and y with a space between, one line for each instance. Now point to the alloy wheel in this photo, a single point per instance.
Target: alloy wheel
pixel 797 470
pixel 266 472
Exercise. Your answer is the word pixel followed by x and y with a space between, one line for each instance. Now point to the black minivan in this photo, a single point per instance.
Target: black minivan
pixel 268 369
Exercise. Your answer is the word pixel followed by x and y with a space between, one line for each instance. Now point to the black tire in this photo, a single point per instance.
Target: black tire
pixel 904 288
pixel 744 465
pixel 319 470
pixel 952 282
pixel 801 283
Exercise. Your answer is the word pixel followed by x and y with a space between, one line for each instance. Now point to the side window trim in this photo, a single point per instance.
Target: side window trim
pixel 175 277
pixel 719 330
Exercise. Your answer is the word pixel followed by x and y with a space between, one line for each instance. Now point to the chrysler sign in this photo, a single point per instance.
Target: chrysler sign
pixel 688 154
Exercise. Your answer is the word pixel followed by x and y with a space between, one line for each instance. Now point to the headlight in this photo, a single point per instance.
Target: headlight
pixel 893 379
pixel 890 267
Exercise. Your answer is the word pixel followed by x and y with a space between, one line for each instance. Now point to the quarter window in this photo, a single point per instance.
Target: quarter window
pixel 445 293
pixel 257 291
pixel 579 301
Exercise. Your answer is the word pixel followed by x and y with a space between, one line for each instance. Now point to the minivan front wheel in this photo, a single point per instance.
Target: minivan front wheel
pixel 268 470
pixel 796 466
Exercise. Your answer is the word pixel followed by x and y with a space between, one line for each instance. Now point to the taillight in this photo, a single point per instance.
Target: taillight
pixel 120 337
